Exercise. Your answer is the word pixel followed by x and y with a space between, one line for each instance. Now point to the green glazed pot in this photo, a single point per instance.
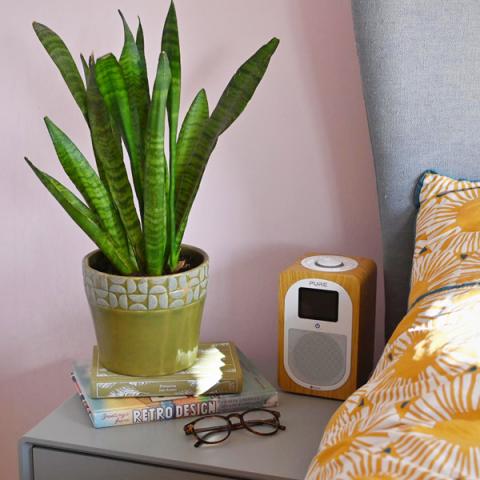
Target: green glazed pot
pixel 147 326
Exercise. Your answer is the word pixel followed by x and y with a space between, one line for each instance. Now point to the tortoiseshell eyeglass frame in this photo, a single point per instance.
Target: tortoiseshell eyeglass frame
pixel 229 426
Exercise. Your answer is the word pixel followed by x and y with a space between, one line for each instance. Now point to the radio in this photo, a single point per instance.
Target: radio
pixel 326 325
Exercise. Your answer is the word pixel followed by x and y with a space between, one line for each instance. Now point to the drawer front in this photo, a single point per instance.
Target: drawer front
pixel 49 464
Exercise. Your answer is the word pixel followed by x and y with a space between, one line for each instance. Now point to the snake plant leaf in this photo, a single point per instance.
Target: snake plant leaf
pixel 108 149
pixel 100 168
pixel 88 183
pixel 194 122
pixel 114 91
pixel 192 126
pixel 241 87
pixel 101 173
pixel 139 40
pixel 171 46
pixel 135 74
pixel 232 102
pixel 59 53
pixel 86 68
pixel 85 219
pixel 155 216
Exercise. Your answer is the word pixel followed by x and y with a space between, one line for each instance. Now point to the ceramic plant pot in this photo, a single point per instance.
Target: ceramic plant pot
pixel 147 326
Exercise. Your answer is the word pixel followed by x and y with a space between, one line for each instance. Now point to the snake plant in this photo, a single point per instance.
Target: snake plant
pixel 116 102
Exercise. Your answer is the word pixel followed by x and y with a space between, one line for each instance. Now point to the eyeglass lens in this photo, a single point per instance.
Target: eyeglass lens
pixel 261 422
pixel 212 429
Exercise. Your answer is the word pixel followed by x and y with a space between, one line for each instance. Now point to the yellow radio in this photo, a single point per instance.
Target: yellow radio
pixel 326 325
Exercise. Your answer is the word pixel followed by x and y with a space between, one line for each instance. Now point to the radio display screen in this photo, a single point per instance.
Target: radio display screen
pixel 316 304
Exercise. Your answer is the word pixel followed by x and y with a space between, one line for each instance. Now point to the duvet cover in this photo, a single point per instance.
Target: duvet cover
pixel 418 417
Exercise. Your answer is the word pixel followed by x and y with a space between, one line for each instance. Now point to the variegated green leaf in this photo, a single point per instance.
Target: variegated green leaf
pixel 112 86
pixel 108 148
pixel 241 87
pixel 100 169
pixel 132 63
pixel 139 40
pixel 192 127
pixel 89 184
pixel 85 67
pixel 62 58
pixel 86 220
pixel 171 46
pixel 233 101
pixel 155 216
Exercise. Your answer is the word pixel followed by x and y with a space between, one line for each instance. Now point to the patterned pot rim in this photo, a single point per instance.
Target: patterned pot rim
pixel 88 256
pixel 143 293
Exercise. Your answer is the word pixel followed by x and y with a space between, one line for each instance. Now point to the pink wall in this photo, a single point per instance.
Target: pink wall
pixel 293 175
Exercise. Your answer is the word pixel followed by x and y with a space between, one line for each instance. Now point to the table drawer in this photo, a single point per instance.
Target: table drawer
pixel 50 464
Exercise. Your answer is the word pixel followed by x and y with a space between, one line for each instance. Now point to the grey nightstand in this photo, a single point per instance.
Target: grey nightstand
pixel 65 446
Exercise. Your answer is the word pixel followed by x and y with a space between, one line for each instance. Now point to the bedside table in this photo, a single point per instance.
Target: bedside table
pixel 65 446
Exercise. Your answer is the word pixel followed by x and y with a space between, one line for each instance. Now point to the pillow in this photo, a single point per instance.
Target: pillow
pixel 418 416
pixel 447 241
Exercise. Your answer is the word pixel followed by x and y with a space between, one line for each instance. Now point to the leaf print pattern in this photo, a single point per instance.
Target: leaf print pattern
pixel 418 417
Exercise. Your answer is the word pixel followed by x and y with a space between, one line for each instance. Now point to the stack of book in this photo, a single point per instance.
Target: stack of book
pixel 222 380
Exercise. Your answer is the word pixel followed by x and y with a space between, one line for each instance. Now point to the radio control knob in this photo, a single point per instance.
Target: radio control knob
pixel 328 262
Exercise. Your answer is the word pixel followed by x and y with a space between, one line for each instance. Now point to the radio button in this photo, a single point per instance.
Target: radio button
pixel 328 262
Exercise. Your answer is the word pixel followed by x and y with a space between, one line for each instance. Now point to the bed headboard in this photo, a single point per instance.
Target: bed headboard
pixel 420 66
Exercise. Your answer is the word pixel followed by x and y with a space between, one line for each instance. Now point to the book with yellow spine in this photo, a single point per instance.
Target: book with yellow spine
pixel 216 371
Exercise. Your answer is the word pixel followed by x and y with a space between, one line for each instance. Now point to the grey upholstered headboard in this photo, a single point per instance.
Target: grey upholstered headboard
pixel 420 65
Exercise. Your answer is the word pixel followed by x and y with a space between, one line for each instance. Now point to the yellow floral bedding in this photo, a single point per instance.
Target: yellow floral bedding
pixel 418 417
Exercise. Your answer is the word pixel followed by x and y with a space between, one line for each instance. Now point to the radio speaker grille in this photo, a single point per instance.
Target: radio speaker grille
pixel 316 358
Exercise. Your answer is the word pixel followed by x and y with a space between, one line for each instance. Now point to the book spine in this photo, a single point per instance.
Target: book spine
pixel 171 409
pixel 82 398
pixel 237 402
pixel 225 386
pixel 155 389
